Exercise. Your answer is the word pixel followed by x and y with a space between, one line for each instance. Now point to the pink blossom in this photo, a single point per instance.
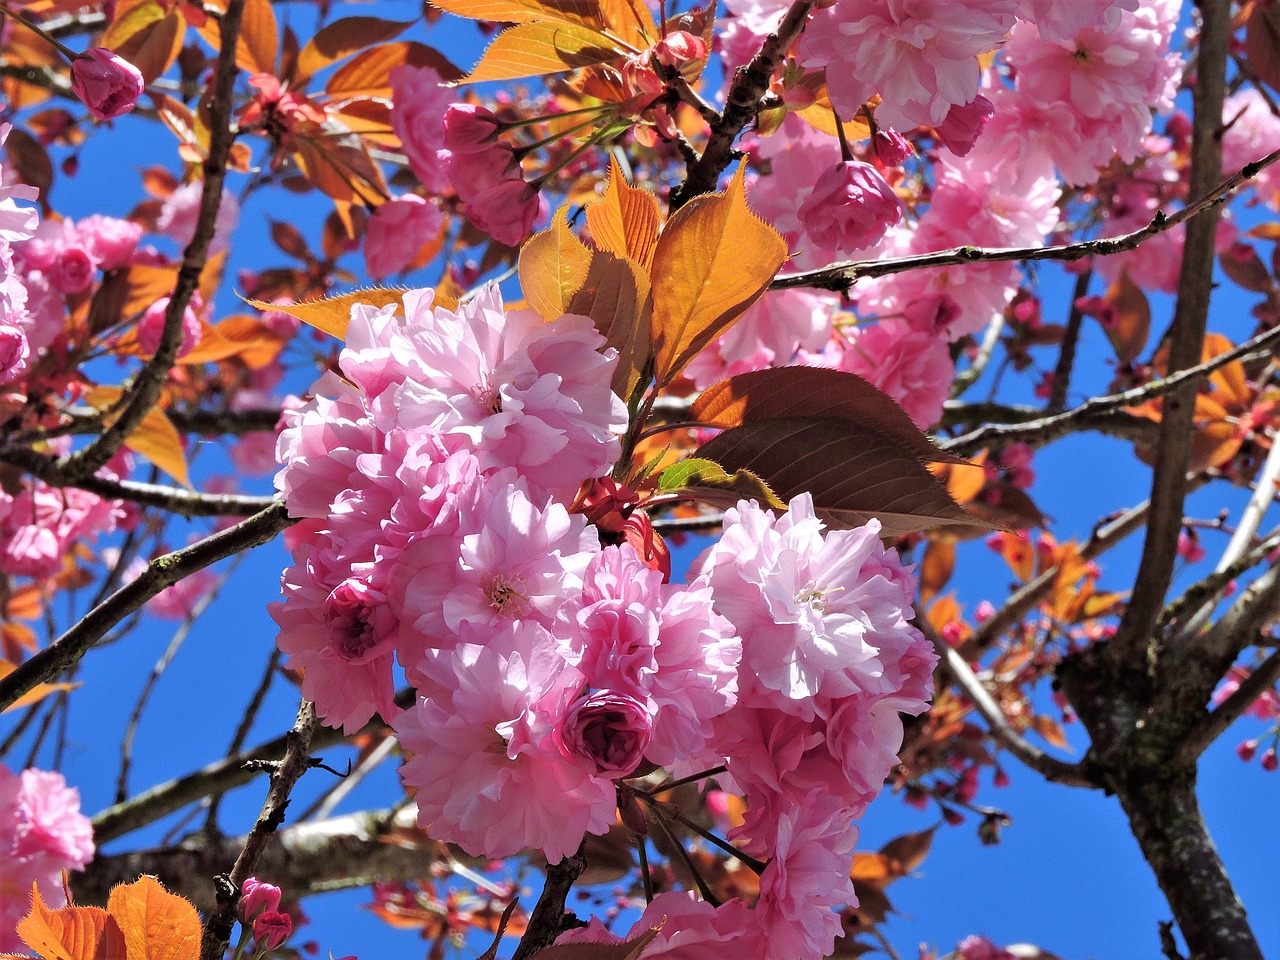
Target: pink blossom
pixel 16 223
pixel 607 732
pixel 891 147
pixel 181 210
pixel 14 352
pixel 919 55
pixel 108 84
pixel 482 765
pixel 505 211
pixel 1058 22
pixel 42 833
pixel 964 123
pixel 850 207
pixel 1253 131
pixel 254 453
pixel 38 524
pixel 1266 707
pixel 806 878
pixel 688 929
pixel 109 241
pixel 819 614
pixel 418 105
pixel 182 599
pixel 397 232
pixel 151 327
pixel 912 366
pixel 469 128
pixel 980 948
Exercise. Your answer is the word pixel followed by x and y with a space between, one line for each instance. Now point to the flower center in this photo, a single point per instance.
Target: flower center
pixel 815 597
pixel 505 597
pixel 488 394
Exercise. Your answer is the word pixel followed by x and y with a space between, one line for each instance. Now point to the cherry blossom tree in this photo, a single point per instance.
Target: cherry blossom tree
pixel 652 377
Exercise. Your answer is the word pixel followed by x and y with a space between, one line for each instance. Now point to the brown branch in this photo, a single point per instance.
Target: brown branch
pixel 146 388
pixel 1047 765
pixel 742 103
pixel 546 923
pixel 296 762
pixel 842 276
pixel 1067 352
pixel 1214 724
pixel 162 572
pixel 1045 429
pixel 1190 320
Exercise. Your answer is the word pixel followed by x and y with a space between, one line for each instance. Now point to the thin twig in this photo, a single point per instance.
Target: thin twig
pixel 1067 352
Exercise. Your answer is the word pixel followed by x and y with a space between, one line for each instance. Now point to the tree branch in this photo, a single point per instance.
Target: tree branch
pixel 1190 319
pixel 146 389
pixel 1215 723
pixel 162 572
pixel 546 922
pixel 750 84
pixel 296 762
pixel 1047 765
pixel 1097 409
pixel 842 276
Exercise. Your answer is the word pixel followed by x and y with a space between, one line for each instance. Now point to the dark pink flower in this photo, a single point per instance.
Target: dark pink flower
pixel 272 929
pixel 257 897
pixel 963 124
pixel 109 85
pixel 850 207
pixel 506 212
pixel 469 128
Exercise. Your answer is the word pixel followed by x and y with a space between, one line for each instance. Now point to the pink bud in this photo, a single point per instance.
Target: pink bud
pixel 272 929
pixel 506 212
pixel 1246 750
pixel 679 47
pixel 469 128
pixel 109 85
pixel 257 897
pixel 608 731
pixel 850 207
pixel 1269 762
pixel 891 147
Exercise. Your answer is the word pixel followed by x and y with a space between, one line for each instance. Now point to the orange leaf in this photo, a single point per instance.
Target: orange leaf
pixel 908 851
pixel 155 438
pixel 257 44
pixel 811 392
pixel 332 314
pixel 1262 43
pixel 72 933
pixel 368 74
pixel 1132 318
pixel 615 294
pixel 157 924
pixel 342 38
pixel 936 567
pixel 246 338
pixel 36 693
pixel 853 474
pixel 626 220
pixel 583 13
pixel 715 258
pixel 147 35
pixel 553 267
pixel 535 49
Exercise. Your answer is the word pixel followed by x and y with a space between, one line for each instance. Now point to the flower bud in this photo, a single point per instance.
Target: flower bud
pixel 109 85
pixel 608 731
pixel 1269 761
pixel 257 897
pixel 272 929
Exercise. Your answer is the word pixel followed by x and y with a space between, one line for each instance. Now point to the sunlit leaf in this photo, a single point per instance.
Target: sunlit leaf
pixel 908 851
pixel 626 220
pixel 553 267
pixel 715 258
pixel 36 693
pixel 258 42
pixel 936 567
pixel 853 474
pixel 368 74
pixel 585 13
pixel 1131 318
pixel 811 392
pixel 616 295
pixel 157 924
pixel 340 39
pixel 71 933
pixel 241 336
pixel 536 49
pixel 332 314
pixel 155 438
pixel 711 482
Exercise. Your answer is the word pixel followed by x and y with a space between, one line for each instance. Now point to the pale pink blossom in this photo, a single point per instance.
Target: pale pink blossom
pixel 151 326
pixel 850 207
pixel 106 83
pixel 482 764
pixel 42 833
pixel 180 212
pixel 911 366
pixel 921 56
pixel 418 105
pixel 1253 131
pixel 183 599
pixel 110 241
pixel 397 232
pixel 1058 21
pixel 815 610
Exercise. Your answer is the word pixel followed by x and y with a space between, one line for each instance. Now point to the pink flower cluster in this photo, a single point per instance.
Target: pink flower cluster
pixel 436 470
pixel 42 833
pixel 486 175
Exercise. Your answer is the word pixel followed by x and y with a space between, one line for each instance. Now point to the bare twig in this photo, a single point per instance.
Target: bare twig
pixel 842 276
pixel 1067 352
pixel 162 572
